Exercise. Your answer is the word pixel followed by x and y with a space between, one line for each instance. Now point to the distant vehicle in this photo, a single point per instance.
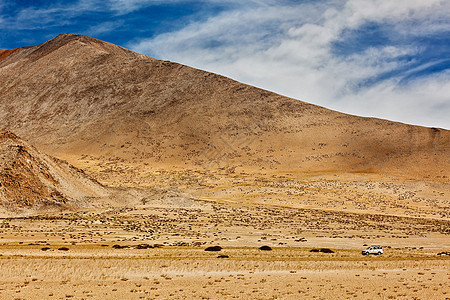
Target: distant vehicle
pixel 376 250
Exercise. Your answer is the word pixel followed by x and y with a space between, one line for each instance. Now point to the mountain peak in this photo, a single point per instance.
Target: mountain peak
pixel 65 34
pixel 76 42
pixel 64 38
pixel 78 96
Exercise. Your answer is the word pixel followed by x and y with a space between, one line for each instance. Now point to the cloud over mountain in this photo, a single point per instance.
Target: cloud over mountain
pixel 354 56
pixel 382 58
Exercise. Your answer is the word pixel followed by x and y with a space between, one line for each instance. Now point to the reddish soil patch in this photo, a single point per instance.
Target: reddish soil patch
pixel 5 53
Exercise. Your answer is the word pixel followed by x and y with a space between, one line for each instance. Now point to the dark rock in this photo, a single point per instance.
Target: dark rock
pixel 144 246
pixel 213 248
pixel 266 248
pixel 326 250
pixel 301 240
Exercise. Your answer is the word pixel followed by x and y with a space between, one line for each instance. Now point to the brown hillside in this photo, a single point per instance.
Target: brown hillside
pixel 75 95
pixel 6 53
pixel 31 180
pixel 184 160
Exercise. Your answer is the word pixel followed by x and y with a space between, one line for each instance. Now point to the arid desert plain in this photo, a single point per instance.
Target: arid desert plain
pixel 119 171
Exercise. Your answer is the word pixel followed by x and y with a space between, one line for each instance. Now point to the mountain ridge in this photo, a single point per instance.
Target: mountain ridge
pixel 76 95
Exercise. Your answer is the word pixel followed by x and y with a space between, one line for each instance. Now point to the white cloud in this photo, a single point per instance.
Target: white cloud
pixel 127 6
pixel 58 14
pixel 288 49
pixel 33 17
pixel 103 27
pixel 425 102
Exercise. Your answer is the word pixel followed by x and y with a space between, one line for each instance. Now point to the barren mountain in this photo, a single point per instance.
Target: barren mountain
pixel 184 160
pixel 30 180
pixel 128 119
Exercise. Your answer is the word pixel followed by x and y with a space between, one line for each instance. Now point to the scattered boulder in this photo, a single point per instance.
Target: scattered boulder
pixel 119 247
pixel 265 248
pixel 180 243
pixel 63 249
pixel 323 250
pixel 445 253
pixel 213 248
pixel 45 248
pixel 144 246
pixel 326 250
pixel 223 256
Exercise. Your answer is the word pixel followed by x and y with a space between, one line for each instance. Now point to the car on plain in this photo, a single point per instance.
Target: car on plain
pixel 376 250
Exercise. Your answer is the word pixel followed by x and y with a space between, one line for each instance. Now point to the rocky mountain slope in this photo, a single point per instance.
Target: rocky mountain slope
pixel 30 180
pixel 130 120
pixel 75 95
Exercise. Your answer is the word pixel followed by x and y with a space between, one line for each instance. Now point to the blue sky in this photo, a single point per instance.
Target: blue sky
pixel 381 58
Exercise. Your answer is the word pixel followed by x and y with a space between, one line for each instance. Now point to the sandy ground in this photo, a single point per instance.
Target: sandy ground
pixel 73 255
pixel 366 193
pixel 191 159
pixel 192 273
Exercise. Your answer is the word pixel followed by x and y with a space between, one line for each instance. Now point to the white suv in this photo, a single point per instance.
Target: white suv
pixel 377 250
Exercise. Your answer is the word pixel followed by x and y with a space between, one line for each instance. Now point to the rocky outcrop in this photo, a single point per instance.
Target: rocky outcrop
pixel 31 180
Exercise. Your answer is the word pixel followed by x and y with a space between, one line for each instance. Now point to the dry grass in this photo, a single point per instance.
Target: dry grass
pixel 192 159
pixel 179 273
pixel 93 269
